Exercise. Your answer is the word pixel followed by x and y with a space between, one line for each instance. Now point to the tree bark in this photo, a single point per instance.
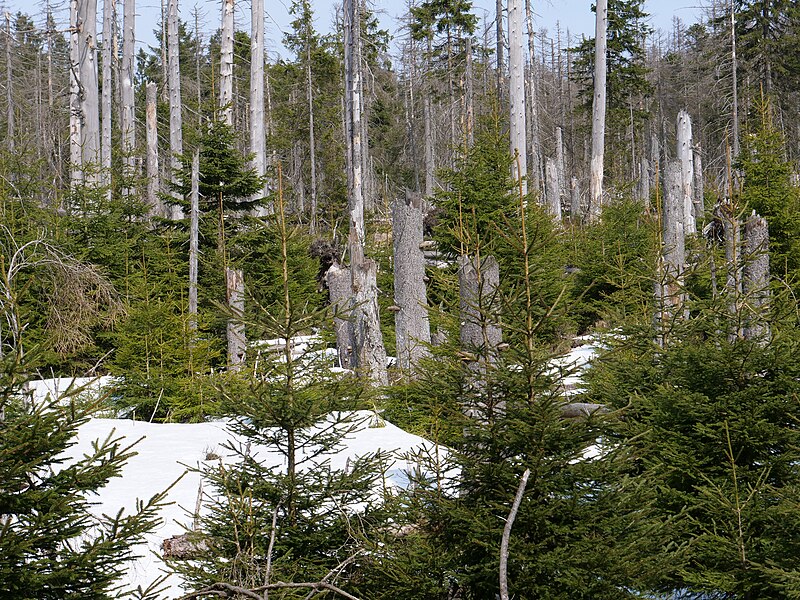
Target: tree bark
pixel 733 267
pixel 576 211
pixel 479 333
pixel 90 100
pixel 369 354
pixel 338 280
pixel 501 50
pixel 226 63
pixel 551 189
pixel 504 541
pixel 598 112
pixel 75 115
pixel 699 191
pixel 128 113
pixel 533 103
pixel 312 141
pixel 108 47
pixel 10 133
pixel 674 248
pixel 151 133
pixel 755 278
pixel 194 239
pixel 237 342
pixel 516 67
pixel 734 90
pixel 258 139
pixel 560 164
pixel 411 319
pixel 175 116
pixel 686 159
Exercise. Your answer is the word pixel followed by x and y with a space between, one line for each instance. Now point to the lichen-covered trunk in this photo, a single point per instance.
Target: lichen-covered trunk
pixel 412 326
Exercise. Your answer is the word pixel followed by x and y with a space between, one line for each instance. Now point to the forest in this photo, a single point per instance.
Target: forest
pixel 419 225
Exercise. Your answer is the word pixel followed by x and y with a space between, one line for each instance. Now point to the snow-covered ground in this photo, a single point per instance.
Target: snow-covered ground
pixel 167 450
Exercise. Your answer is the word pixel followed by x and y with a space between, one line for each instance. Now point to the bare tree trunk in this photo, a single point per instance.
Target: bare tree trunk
pixel 175 116
pixel 340 290
pixel 533 103
pixel 504 541
pixel 411 319
pixel 551 188
pixel 237 342
pixel 469 98
pixel 10 133
pixel 90 100
pixel 105 141
pixel 151 131
pixel 480 335
pixel 733 264
pixel 226 63
pixel 576 211
pixel 684 153
pixel 699 191
pixel 735 88
pixel 501 51
pixel 312 141
pixel 644 185
pixel 128 113
pixel 430 164
pixel 194 237
pixel 560 164
pixel 369 353
pixel 598 112
pixel 75 115
pixel 674 249
pixel 755 278
pixel 258 138
pixel 516 67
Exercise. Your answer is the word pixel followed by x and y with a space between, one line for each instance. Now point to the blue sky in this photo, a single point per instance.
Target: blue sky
pixel 574 15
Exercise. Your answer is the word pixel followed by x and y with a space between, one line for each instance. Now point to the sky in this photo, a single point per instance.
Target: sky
pixel 574 15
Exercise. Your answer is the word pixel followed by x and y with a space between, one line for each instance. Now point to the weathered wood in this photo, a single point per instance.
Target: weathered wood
pixel 598 112
pixel 105 137
pixel 10 133
pixel 685 156
pixel 75 121
pixel 674 248
pixel 89 92
pixel 368 349
pixel 755 278
pixel 128 112
pixel 733 266
pixel 194 237
pixel 338 281
pixel 258 139
pixel 175 107
pixel 516 67
pixel 533 103
pixel 561 165
pixel 552 189
pixel 644 182
pixel 576 210
pixel 151 134
pixel 505 538
pixel 237 342
pixel 479 332
pixel 699 188
pixel 226 63
pixel 412 326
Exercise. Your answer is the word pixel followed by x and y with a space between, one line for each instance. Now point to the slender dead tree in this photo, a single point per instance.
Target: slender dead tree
pixel 533 102
pixel 686 160
pixel 151 135
pixel 194 239
pixel 89 93
pixel 128 112
pixel 10 133
pixel 174 85
pixel 105 137
pixel 369 353
pixel 75 115
pixel 258 140
pixel 516 69
pixel 598 112
pixel 226 63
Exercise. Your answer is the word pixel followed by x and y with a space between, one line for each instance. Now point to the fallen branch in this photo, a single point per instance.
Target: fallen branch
pixel 227 590
pixel 507 535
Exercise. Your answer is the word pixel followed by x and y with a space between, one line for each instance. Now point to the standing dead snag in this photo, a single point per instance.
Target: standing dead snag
pixel 755 278
pixel 686 159
pixel 479 333
pixel 598 112
pixel 156 207
pixel 516 66
pixel 669 288
pixel 733 266
pixel 175 115
pixel 411 319
pixel 338 280
pixel 237 342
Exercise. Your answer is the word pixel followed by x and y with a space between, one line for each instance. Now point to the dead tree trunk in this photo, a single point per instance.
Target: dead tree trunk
pixel 480 335
pixel 684 154
pixel 733 267
pixel 151 133
pixel 226 63
pixel 194 237
pixel 598 112
pixel 10 133
pixel 258 139
pixel 237 342
pixel 516 68
pixel 644 183
pixel 699 191
pixel 755 278
pixel 674 246
pixel 560 164
pixel 338 280
pixel 312 140
pixel 75 116
pixel 128 112
pixel 501 50
pixel 90 100
pixel 533 103
pixel 734 89
pixel 576 211
pixel 369 354
pixel 551 189
pixel 411 319
pixel 175 116
pixel 105 142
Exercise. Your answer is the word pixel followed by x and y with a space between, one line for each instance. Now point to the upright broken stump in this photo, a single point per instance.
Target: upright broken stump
pixel 337 279
pixel 412 326
pixel 755 278
pixel 369 353
pixel 237 342
pixel 669 286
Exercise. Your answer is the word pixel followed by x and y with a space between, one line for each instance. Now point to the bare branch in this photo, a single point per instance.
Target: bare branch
pixel 507 535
